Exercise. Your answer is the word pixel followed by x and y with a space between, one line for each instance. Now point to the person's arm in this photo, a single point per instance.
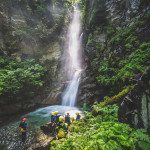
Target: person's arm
pixel 27 126
pixel 19 125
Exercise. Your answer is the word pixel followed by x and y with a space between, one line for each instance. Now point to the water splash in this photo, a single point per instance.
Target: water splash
pixel 73 62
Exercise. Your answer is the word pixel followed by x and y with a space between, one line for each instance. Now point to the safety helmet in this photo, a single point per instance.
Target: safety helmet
pixel 52 113
pixel 24 119
pixel 77 113
pixel 72 119
pixel 61 118
pixel 56 112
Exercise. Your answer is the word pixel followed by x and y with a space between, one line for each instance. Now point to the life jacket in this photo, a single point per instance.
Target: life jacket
pixel 61 125
pixel 61 133
pixel 22 130
pixel 23 126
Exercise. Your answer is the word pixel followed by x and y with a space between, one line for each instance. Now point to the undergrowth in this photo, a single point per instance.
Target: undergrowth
pixel 16 77
pixel 102 132
pixel 127 54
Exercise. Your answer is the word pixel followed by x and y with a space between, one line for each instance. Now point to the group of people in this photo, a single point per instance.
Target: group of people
pixel 58 125
pixel 55 117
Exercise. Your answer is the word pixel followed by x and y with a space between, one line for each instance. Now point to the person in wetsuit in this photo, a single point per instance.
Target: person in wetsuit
pixel 23 129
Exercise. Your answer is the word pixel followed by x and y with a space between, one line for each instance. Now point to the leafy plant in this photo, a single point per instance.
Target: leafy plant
pixel 101 132
pixel 16 76
pixel 128 54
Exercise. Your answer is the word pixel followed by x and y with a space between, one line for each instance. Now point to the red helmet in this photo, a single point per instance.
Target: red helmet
pixel 24 119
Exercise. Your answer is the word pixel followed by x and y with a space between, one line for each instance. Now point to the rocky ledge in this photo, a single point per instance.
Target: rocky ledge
pixel 42 142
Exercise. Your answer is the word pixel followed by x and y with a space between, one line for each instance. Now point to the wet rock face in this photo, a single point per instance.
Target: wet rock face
pixel 86 91
pixel 33 29
pixel 146 109
pixel 89 91
pixel 120 12
pixel 135 108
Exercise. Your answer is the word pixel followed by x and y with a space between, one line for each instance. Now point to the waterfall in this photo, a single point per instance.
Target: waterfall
pixel 73 61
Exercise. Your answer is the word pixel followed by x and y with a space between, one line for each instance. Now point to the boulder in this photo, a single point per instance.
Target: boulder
pixel 42 142
pixel 135 107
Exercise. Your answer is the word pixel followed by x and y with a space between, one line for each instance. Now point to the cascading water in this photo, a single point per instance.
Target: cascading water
pixel 73 62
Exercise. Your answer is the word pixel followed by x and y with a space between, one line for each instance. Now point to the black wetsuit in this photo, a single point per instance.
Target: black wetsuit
pixel 67 119
pixel 78 117
pixel 23 125
pixel 52 118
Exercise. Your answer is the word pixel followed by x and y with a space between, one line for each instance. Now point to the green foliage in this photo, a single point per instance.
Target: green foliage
pixel 84 11
pixel 107 113
pixel 74 1
pixel 110 30
pixel 124 36
pixel 101 132
pixel 107 74
pixel 136 62
pixel 132 58
pixel 16 76
pixel 98 14
pixel 144 145
pixel 40 7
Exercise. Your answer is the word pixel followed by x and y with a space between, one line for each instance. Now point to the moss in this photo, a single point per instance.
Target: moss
pixel 109 100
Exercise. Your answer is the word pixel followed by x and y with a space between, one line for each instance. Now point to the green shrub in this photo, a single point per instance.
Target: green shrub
pixel 16 76
pixel 133 57
pixel 136 62
pixel 101 132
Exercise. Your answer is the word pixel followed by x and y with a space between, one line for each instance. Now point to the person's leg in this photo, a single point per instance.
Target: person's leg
pixel 54 130
pixel 23 136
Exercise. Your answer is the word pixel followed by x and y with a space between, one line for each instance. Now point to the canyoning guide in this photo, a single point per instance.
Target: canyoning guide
pixel 68 119
pixel 52 117
pixel 23 129
pixel 56 117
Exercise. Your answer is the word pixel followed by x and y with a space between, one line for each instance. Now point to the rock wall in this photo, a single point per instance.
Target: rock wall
pixel 34 29
pixel 101 20
pixel 135 107
pixel 122 12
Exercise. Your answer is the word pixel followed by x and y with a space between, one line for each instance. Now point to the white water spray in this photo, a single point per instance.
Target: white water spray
pixel 73 63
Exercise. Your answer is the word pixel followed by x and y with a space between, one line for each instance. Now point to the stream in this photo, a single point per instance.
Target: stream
pixel 9 134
